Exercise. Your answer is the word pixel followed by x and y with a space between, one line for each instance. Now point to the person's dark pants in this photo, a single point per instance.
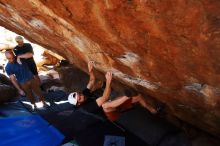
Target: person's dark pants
pixel 33 69
pixel 31 86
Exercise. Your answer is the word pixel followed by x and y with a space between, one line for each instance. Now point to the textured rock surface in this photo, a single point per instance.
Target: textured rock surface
pixel 6 89
pixel 168 49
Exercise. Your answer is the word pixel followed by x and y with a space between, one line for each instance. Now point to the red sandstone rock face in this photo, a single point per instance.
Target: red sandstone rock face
pixel 168 49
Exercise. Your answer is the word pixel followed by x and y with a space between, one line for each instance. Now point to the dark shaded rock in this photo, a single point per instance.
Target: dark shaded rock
pixel 7 90
pixel 5 80
pixel 7 93
pixel 153 130
pixel 47 82
pixel 72 78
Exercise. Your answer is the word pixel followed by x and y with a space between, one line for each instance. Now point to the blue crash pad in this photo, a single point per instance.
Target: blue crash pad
pixel 28 130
